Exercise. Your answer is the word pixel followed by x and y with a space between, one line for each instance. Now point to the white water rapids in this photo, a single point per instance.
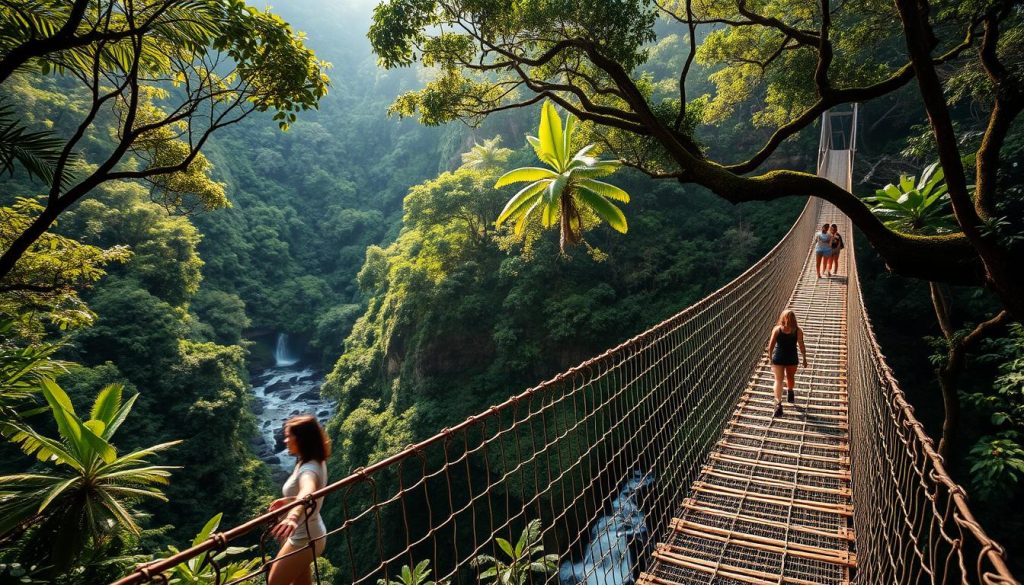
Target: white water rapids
pixel 281 392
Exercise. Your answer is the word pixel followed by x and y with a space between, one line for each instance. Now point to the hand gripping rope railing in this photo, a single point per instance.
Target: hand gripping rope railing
pixel 643 416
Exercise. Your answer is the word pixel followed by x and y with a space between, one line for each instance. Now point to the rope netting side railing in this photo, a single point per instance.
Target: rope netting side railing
pixel 913 522
pixel 594 461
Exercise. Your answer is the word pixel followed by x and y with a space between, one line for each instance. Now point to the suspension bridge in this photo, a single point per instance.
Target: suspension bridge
pixel 663 462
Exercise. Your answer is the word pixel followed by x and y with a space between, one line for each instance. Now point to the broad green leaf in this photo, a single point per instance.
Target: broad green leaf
pixel 208 529
pixel 520 200
pixel 892 191
pixel 524 174
pixel 914 199
pixel 68 425
pixel 542 153
pixel 605 209
pixel 932 174
pixel 107 403
pixel 606 190
pixel 505 546
pixel 570 129
pixel 523 218
pixel 119 417
pixel 552 201
pixel 598 169
pixel 906 183
pixel 550 133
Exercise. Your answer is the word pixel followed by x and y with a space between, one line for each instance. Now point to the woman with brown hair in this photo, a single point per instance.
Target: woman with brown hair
pixel 307 441
pixel 782 348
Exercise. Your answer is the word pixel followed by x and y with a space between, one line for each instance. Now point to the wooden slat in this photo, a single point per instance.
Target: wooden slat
pixel 839 557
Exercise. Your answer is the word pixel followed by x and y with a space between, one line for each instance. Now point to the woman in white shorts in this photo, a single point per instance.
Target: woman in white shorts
pixel 308 442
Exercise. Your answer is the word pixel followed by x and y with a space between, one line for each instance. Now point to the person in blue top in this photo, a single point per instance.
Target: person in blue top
pixel 822 248
pixel 782 348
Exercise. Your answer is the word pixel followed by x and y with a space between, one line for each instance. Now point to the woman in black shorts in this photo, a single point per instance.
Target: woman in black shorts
pixel 782 348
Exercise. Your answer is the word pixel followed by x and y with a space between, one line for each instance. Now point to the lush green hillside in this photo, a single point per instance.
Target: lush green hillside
pixel 366 238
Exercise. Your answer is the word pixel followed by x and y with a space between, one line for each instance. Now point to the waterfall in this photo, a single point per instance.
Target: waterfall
pixel 281 356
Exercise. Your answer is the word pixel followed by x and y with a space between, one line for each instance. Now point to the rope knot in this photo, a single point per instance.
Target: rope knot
pixel 219 541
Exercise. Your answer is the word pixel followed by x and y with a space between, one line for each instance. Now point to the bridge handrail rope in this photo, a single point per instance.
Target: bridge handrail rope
pixel 885 431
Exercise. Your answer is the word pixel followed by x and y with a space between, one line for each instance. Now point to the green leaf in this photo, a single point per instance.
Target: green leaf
pixel 570 129
pixel 107 403
pixel 892 191
pixel 542 153
pixel 506 546
pixel 605 209
pixel 524 174
pixel 550 133
pixel 606 190
pixel 208 529
pixel 930 177
pixel 552 199
pixel 906 183
pixel 521 224
pixel 520 200
pixel 119 417
pixel 56 492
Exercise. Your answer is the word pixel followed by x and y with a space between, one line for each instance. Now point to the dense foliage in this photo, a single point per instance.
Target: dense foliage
pixel 378 242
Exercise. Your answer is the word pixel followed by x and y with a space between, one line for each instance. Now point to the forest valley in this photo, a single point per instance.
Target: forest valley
pixel 183 180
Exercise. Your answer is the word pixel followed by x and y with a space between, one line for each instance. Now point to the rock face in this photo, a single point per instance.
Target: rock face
pixel 280 393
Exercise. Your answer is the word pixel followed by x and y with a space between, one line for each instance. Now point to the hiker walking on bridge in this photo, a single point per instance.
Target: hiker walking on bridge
pixel 822 248
pixel 837 248
pixel 782 348
pixel 308 442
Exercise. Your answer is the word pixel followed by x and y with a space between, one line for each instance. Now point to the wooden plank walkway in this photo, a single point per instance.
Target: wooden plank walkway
pixel 772 504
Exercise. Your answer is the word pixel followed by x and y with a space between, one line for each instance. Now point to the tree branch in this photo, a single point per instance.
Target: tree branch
pixel 837 97
pixel 1008 105
pixel 692 28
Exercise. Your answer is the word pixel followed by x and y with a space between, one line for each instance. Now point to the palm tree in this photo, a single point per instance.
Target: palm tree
pixel 88 492
pixel 521 559
pixel 566 191
pixel 487 155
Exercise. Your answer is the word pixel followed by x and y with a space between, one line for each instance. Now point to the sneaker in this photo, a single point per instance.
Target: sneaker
pixel 778 409
pixel 789 396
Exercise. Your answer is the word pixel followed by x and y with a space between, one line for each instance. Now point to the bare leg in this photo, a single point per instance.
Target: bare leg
pixel 790 375
pixel 778 371
pixel 293 569
pixel 817 263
